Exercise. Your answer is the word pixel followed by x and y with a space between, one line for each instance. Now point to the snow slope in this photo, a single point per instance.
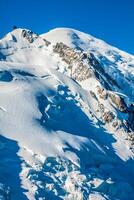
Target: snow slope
pixel 117 63
pixel 58 135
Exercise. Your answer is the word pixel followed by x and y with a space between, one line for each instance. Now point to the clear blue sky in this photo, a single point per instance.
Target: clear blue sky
pixel 110 20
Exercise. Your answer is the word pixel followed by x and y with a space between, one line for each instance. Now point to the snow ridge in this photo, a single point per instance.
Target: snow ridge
pixel 66 117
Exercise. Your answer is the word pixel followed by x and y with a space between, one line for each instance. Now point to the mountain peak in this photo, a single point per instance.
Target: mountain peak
pixel 19 33
pixel 66 117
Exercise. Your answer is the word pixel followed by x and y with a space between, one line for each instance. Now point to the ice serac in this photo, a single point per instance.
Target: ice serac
pixel 66 117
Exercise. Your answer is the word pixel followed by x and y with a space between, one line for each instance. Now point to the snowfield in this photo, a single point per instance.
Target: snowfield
pixel 66 117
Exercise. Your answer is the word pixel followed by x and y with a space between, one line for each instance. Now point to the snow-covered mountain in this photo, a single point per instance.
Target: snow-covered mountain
pixel 66 117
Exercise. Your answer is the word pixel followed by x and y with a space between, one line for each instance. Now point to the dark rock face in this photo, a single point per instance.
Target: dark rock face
pixel 93 94
pixel 29 35
pixel 108 117
pixel 115 124
pixel 47 42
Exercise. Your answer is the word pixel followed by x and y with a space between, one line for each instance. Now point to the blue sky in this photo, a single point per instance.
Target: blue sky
pixel 110 20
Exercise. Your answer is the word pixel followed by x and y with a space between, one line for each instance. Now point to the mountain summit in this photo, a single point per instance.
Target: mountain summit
pixel 66 117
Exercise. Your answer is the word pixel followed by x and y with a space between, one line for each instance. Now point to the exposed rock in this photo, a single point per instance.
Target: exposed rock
pixel 118 102
pixel 75 60
pixel 108 117
pixel 101 107
pixel 102 92
pixel 82 72
pixel 93 94
pixel 83 66
pixel 29 35
pixel 68 54
pixel 47 42
pixel 131 138
pixel 115 124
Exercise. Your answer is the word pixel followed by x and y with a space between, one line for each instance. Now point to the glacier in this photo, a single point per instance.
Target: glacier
pixel 66 117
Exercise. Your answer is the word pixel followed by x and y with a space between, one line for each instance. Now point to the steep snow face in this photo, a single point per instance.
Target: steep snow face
pixel 37 105
pixel 66 117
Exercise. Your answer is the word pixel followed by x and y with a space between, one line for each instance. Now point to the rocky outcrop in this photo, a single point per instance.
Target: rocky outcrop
pixel 93 94
pixel 29 35
pixel 82 66
pixel 130 139
pixel 105 115
pixel 47 42
pixel 102 92
pixel 116 123
pixel 68 54
pixel 74 59
pixel 117 101
pixel 108 116
pixel 82 72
